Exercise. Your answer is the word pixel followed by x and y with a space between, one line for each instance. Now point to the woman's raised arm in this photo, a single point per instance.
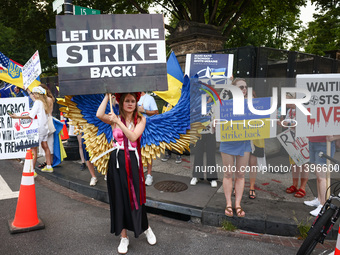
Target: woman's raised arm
pixel 101 111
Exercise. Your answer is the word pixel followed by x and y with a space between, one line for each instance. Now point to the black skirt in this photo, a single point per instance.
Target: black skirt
pixel 122 216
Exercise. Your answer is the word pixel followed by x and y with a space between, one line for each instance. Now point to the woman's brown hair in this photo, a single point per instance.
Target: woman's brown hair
pixel 135 111
pixel 42 98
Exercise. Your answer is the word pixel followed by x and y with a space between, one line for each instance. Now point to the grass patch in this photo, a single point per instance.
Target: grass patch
pixel 228 226
pixel 303 226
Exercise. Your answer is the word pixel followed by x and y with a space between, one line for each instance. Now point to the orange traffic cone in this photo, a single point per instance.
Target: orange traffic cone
pixel 26 216
pixel 64 132
pixel 337 246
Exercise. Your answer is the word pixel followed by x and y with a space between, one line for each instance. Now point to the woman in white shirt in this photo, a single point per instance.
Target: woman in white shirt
pixel 40 110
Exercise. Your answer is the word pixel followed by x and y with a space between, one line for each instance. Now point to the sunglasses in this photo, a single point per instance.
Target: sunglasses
pixel 243 87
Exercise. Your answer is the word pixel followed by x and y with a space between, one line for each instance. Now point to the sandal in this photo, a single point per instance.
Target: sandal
pixel 300 193
pixel 42 165
pixel 229 211
pixel 239 212
pixel 291 189
pixel 252 194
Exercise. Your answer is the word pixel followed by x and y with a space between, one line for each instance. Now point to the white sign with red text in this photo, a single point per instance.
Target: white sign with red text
pixel 296 147
pixel 12 145
pixel 31 70
pixel 324 105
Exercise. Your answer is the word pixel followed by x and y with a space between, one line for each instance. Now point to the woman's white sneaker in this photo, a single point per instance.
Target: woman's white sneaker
pixel 316 211
pixel 93 181
pixel 213 184
pixel 193 181
pixel 150 236
pixel 148 180
pixel 315 202
pixel 123 246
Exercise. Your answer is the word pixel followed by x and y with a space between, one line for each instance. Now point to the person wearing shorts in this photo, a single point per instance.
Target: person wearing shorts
pixel 318 144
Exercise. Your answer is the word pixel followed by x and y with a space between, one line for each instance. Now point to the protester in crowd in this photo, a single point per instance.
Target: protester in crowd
pixel 237 152
pixel 89 165
pixel 318 144
pixel 298 172
pixel 41 110
pixel 206 145
pixel 51 128
pixel 18 92
pixel 81 152
pixel 148 107
pixel 125 177
pixel 256 161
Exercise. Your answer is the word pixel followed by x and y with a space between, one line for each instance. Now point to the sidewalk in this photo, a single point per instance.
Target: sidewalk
pixel 272 212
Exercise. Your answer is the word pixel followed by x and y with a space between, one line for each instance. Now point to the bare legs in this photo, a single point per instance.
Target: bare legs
pixel 35 155
pixel 252 174
pixel 123 233
pixel 81 153
pixel 90 166
pixel 44 145
pixel 149 167
pixel 321 186
pixel 228 163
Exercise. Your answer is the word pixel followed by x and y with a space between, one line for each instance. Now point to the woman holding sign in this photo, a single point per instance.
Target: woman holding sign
pixel 239 150
pixel 125 177
pixel 40 110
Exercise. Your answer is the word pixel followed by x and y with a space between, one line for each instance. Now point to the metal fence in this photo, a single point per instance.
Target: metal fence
pixel 264 63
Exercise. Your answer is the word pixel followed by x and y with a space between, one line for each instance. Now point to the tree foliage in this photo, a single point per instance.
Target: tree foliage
pixel 242 22
pixel 322 34
pixel 267 23
pixel 23 24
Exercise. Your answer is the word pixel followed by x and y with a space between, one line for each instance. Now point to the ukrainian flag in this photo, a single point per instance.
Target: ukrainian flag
pixel 217 71
pixel 10 72
pixel 175 81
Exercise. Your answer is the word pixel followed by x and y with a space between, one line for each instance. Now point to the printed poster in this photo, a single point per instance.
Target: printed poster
pixel 212 69
pixel 15 134
pixel 111 53
pixel 296 147
pixel 248 126
pixel 324 105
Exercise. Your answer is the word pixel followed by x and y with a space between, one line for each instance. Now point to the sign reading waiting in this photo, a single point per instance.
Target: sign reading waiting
pixel 111 53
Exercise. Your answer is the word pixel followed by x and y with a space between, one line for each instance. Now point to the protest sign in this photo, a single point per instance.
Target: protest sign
pixel 323 105
pixel 213 69
pixel 296 147
pixel 111 53
pixel 12 145
pixel 249 126
pixel 31 70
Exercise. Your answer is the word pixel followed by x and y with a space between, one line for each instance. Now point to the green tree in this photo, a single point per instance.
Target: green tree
pixel 245 22
pixel 322 34
pixel 268 24
pixel 23 24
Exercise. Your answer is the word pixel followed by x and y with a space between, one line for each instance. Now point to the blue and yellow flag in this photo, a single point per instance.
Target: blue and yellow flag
pixel 10 72
pixel 175 81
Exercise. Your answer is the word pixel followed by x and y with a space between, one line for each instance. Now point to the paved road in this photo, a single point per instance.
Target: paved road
pixel 76 224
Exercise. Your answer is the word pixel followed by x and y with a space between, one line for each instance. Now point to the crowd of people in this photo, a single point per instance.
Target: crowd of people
pixel 125 175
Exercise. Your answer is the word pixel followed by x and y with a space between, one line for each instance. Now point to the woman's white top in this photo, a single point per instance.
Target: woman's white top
pixel 39 111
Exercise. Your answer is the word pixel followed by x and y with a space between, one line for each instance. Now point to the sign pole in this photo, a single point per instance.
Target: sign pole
pixel 328 174
pixel 68 7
